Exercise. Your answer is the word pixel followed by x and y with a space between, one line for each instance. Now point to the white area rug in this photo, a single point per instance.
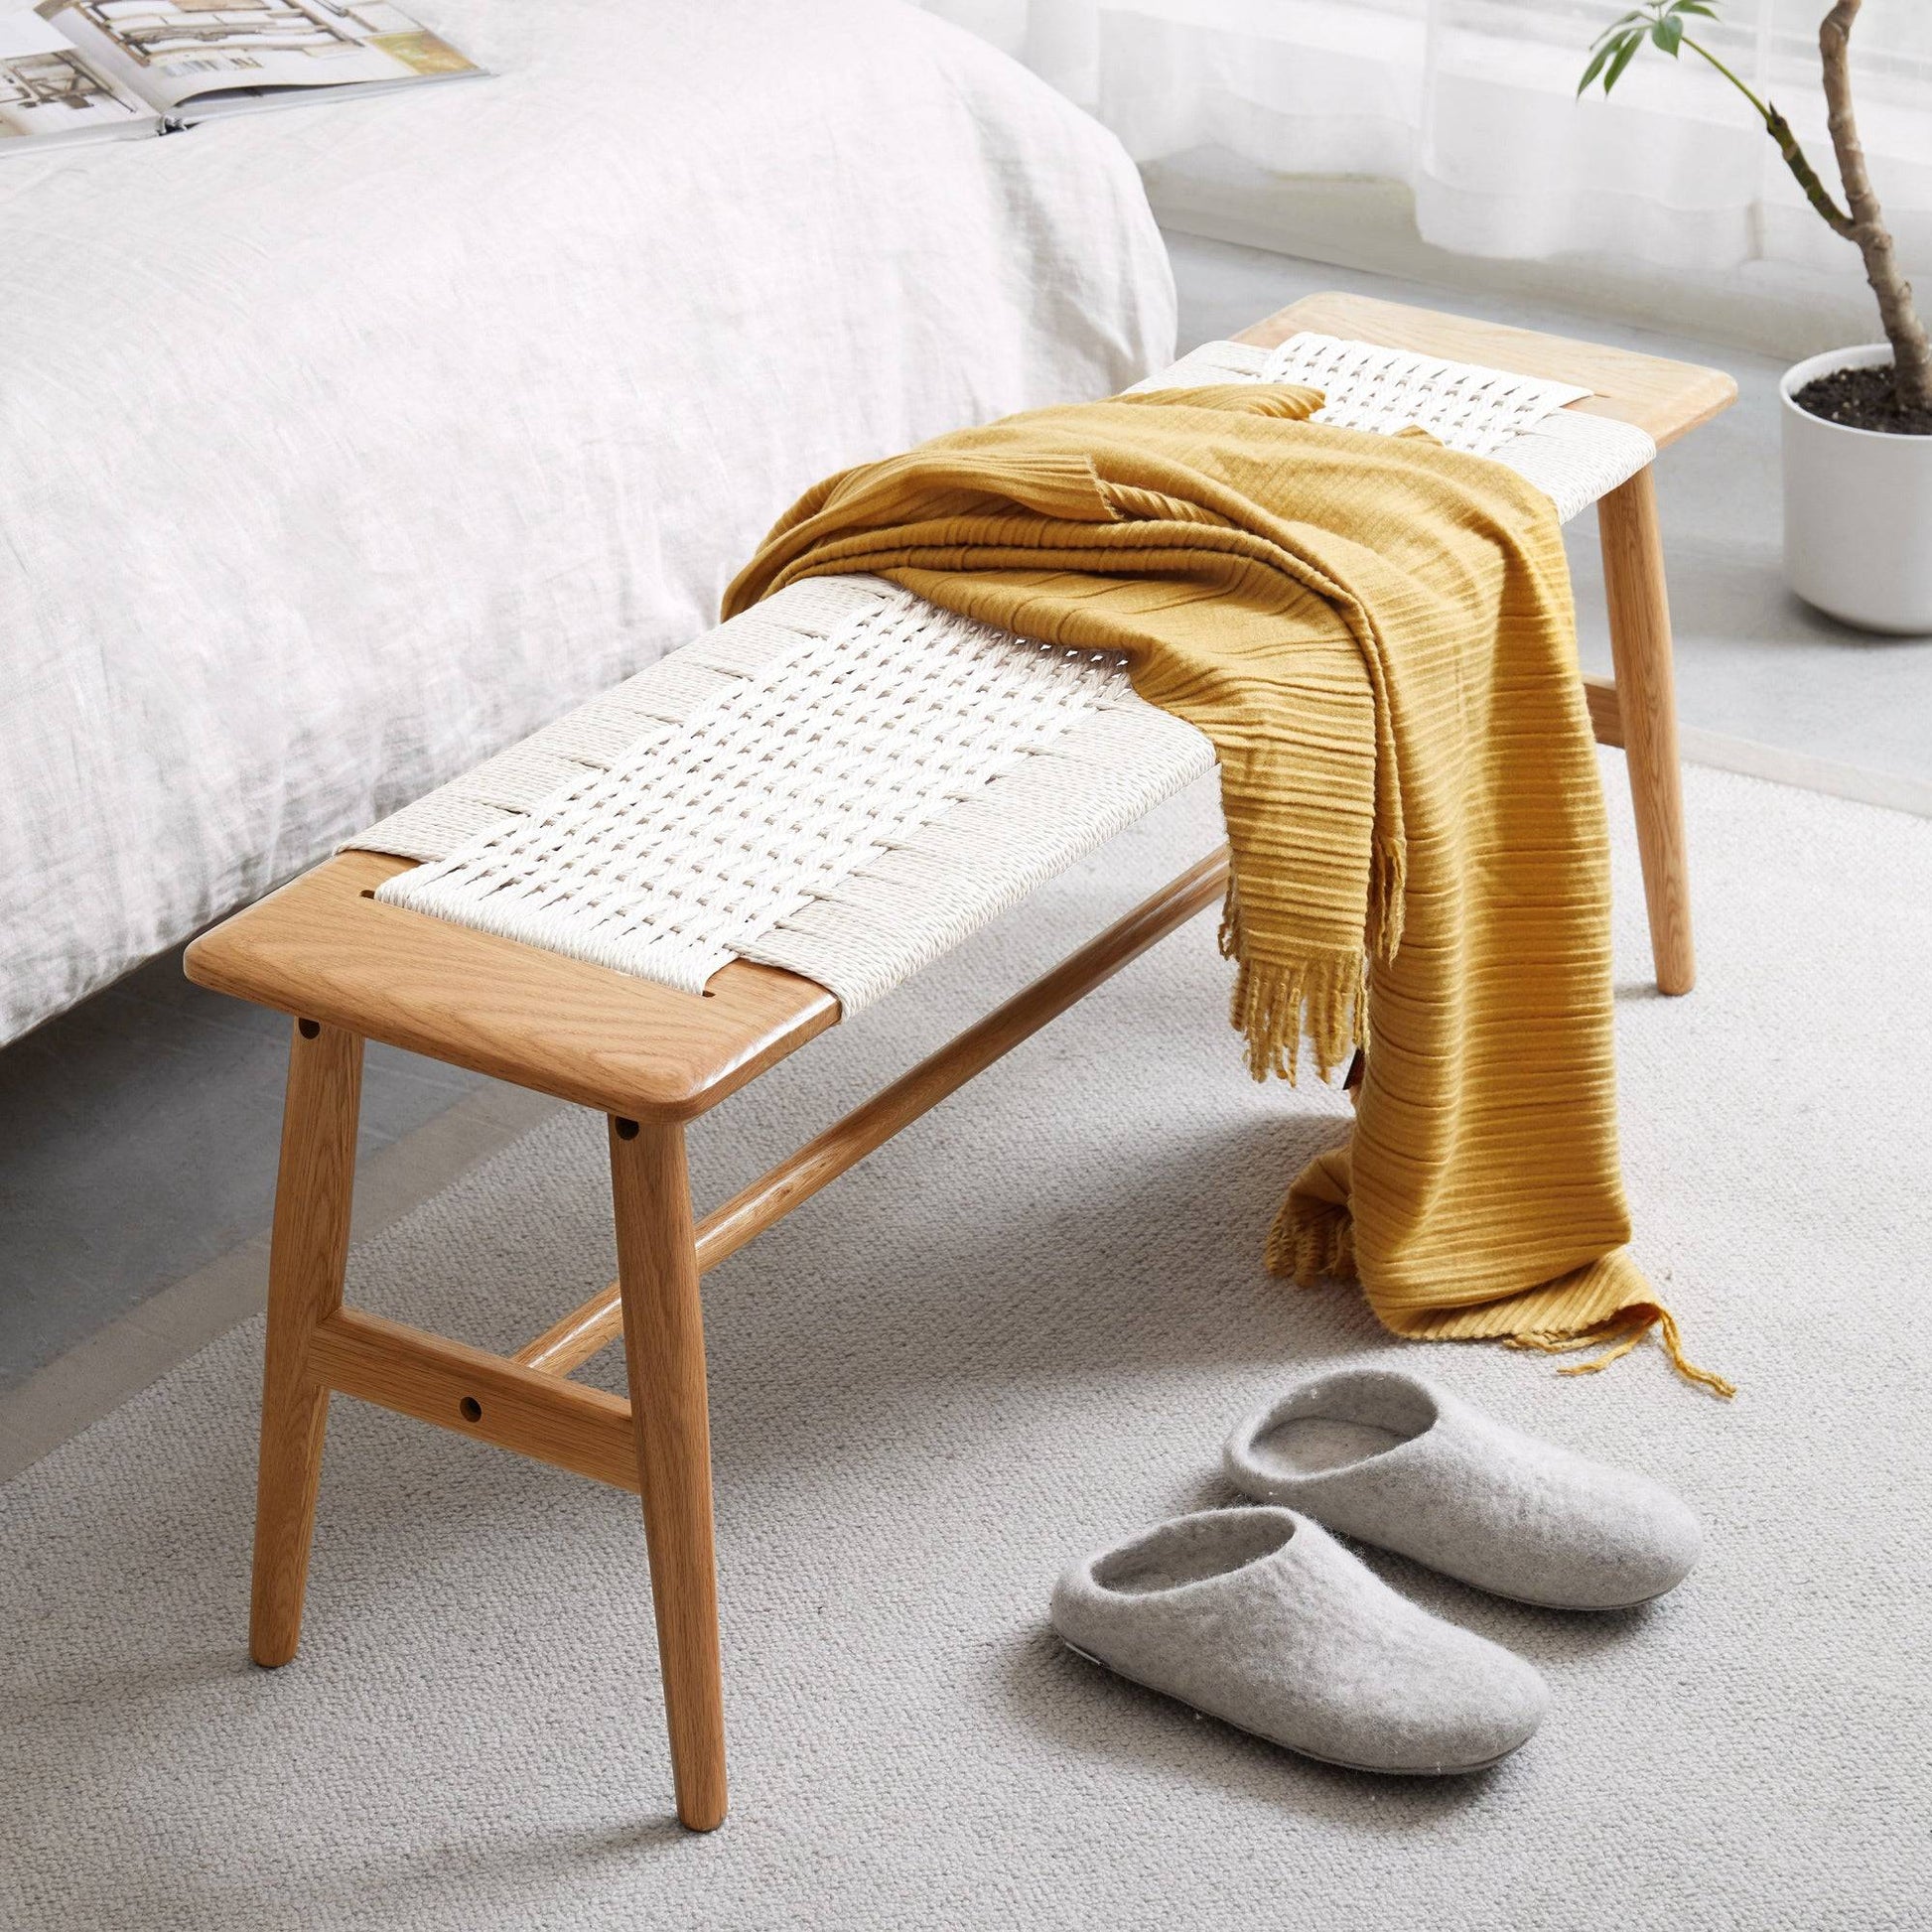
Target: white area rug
pixel 1016 1331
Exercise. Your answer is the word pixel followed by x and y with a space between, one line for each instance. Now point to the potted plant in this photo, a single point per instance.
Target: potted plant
pixel 1857 422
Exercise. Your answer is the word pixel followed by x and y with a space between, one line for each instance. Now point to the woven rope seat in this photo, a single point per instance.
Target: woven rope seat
pixel 847 781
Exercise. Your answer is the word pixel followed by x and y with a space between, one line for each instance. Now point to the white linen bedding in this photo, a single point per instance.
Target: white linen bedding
pixel 341 445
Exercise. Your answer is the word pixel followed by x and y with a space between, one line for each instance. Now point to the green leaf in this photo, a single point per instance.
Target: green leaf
pixel 1694 6
pixel 1604 52
pixel 1624 56
pixel 1667 34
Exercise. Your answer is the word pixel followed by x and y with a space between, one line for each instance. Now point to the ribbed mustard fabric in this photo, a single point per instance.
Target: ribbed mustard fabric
pixel 1376 634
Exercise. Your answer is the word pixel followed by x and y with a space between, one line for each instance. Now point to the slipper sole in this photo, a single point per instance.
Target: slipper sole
pixel 1339 1763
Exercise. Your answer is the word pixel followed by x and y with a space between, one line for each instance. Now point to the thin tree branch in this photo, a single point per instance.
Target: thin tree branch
pixel 1779 130
pixel 1698 46
pixel 1910 350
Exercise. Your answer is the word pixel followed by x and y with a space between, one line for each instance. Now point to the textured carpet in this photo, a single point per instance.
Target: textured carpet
pixel 1018 1331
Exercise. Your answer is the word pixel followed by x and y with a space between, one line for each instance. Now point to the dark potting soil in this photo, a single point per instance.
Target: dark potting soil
pixel 1862 399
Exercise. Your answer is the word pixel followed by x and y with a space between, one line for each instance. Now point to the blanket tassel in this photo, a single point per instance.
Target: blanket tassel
pixel 1277 1003
pixel 1622 1331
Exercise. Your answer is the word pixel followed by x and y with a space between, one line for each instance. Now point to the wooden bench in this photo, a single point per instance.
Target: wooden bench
pixel 348 968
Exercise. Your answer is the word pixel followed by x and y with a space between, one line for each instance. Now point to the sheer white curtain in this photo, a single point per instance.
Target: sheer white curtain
pixel 1472 104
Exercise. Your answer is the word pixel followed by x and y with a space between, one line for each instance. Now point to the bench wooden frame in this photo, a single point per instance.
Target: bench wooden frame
pixel 348 969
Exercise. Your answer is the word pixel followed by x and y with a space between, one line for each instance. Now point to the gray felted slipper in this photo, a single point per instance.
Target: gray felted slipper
pixel 1260 1617
pixel 1395 1460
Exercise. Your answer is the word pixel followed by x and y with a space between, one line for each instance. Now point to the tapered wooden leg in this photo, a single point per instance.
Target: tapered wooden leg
pixel 1641 648
pixel 307 1255
pixel 663 1341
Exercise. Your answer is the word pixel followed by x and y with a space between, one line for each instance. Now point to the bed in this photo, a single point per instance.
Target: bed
pixel 341 445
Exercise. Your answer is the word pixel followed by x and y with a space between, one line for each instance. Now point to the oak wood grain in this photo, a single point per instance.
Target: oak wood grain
pixel 1640 648
pixel 319 946
pixel 477 1394
pixel 1605 713
pixel 663 1346
pixel 1663 397
pixel 308 1252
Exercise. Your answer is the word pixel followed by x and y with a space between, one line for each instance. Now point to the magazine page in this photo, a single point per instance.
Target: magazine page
pixel 48 92
pixel 178 52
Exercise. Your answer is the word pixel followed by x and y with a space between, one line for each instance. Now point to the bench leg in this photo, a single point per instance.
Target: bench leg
pixel 663 1343
pixel 307 1255
pixel 1640 648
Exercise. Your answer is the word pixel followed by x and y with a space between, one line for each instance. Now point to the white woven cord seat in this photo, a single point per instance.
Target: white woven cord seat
pixel 847 781
pixel 1517 420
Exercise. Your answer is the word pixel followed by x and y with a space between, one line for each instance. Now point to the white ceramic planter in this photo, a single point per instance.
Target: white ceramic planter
pixel 1857 511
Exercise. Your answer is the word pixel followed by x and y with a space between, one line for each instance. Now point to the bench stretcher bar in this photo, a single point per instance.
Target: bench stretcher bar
pixel 525 1403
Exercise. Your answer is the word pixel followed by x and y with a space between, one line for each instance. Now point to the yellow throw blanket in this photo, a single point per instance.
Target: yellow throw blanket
pixel 1376 634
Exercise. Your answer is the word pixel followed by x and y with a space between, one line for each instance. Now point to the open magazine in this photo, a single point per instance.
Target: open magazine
pixel 98 69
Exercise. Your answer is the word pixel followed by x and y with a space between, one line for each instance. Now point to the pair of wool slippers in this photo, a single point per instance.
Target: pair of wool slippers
pixel 1259 1617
